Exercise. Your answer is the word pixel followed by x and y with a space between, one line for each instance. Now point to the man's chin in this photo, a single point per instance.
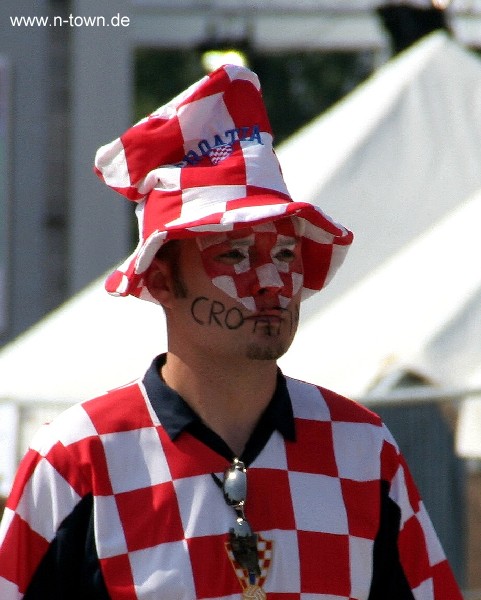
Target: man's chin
pixel 258 351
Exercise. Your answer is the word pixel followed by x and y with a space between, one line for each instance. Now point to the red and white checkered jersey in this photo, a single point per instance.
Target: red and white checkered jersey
pixel 161 523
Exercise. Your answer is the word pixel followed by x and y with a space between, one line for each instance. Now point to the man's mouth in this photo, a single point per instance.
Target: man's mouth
pixel 268 315
pixel 268 320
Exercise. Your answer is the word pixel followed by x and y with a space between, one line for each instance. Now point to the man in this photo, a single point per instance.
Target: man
pixel 215 476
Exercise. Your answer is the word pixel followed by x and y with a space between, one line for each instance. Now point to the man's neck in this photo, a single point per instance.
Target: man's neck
pixel 229 399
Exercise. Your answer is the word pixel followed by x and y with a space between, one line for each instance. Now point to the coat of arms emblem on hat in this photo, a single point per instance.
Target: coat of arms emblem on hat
pixel 220 153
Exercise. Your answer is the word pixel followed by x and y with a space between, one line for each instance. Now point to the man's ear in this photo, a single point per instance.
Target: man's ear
pixel 159 282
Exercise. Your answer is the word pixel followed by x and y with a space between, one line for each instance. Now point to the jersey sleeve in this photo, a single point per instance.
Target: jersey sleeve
pixel 49 484
pixel 422 558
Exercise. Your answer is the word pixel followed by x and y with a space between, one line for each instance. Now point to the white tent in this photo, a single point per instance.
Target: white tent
pixel 398 162
pixel 91 344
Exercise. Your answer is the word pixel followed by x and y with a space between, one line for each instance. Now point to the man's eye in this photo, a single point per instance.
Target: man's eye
pixel 231 257
pixel 285 255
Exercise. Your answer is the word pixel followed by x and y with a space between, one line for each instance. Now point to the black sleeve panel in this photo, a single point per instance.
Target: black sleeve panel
pixel 71 570
pixel 388 580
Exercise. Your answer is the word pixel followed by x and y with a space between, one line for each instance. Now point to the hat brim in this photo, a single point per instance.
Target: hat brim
pixel 324 242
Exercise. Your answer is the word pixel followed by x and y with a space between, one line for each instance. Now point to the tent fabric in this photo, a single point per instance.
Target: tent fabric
pixel 92 343
pixel 401 315
pixel 395 156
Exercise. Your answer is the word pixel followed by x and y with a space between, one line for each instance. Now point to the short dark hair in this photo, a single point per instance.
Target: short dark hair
pixel 170 253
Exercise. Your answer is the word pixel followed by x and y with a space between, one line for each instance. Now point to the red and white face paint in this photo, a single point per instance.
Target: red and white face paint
pixel 250 263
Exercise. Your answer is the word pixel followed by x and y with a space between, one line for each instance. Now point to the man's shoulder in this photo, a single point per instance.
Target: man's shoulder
pixel 115 410
pixel 131 390
pixel 120 409
pixel 314 401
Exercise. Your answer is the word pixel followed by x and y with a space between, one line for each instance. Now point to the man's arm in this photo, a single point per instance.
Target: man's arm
pixel 409 561
pixel 389 579
pixel 44 507
pixel 70 570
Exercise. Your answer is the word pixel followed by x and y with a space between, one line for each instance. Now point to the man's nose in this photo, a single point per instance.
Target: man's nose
pixel 267 279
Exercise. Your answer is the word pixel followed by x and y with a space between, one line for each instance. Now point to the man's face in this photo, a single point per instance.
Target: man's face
pixel 242 291
pixel 250 264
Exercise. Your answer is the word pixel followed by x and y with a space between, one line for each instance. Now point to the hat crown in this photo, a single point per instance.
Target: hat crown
pixel 204 123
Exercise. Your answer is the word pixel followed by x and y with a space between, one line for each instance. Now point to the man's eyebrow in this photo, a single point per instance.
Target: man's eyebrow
pixel 286 240
pixel 248 240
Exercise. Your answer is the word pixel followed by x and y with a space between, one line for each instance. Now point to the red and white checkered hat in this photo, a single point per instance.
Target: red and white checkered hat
pixel 204 163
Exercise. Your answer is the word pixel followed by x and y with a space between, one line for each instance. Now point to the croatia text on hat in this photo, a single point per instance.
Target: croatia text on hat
pixel 210 148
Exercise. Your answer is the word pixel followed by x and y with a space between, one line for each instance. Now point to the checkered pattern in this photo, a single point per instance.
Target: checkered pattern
pixel 262 269
pixel 161 523
pixel 204 163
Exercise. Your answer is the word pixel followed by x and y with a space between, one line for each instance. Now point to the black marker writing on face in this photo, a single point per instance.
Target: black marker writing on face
pixel 207 312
